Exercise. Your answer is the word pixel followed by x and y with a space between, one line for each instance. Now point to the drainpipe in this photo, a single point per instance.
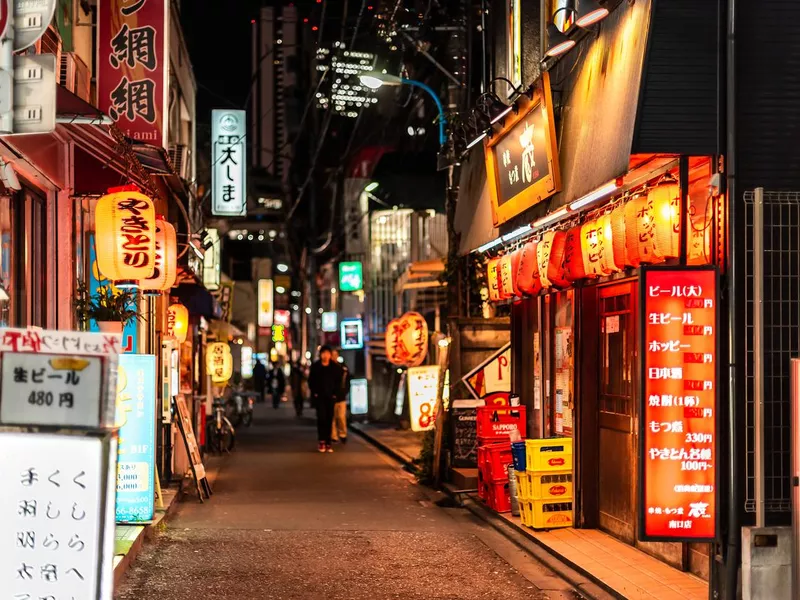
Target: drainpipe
pixel 733 556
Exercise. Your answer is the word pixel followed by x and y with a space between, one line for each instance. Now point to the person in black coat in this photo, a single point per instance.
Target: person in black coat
pixel 325 382
pixel 259 379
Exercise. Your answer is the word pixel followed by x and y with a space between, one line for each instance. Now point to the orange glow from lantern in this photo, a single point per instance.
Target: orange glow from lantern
pixel 506 272
pixel 493 279
pixel 125 237
pixel 166 267
pixel 528 280
pixel 550 256
pixel 178 322
pixel 619 249
pixel 407 340
pixel 219 362
pixel 666 201
pixel 573 255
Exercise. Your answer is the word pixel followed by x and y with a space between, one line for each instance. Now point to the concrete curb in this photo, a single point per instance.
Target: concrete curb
pixel 400 457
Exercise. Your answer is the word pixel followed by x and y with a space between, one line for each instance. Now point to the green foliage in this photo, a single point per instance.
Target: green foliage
pixel 107 304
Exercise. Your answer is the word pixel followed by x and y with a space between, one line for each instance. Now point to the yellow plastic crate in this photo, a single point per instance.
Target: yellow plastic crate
pixel 550 486
pixel 523 484
pixel 551 515
pixel 551 454
pixel 526 512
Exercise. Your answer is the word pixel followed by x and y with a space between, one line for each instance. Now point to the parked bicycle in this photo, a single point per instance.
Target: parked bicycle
pixel 239 406
pixel 220 433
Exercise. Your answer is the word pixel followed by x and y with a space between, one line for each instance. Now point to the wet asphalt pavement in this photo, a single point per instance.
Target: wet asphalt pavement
pixel 286 522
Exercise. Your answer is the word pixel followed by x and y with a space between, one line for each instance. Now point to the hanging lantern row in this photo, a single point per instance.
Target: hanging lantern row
pixel 645 230
pixel 407 340
pixel 135 247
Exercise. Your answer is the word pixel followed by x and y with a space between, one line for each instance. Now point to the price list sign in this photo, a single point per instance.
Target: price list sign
pixel 679 419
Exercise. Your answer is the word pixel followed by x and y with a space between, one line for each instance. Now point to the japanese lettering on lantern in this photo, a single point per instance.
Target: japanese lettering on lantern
pixel 53 531
pixel 228 162
pixel 131 83
pixel 680 400
pixel 137 234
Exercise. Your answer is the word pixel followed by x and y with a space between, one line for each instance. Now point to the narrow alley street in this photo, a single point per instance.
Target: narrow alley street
pixel 287 522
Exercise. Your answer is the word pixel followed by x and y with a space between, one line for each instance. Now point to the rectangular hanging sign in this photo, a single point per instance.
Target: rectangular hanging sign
pixel 678 430
pixel 228 163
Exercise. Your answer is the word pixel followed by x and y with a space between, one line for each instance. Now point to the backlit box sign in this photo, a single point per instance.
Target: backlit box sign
pixel 211 261
pixel 229 163
pixel 423 391
pixel 247 362
pixel 351 277
pixel 359 397
pixel 351 332
pixel 678 466
pixel 330 322
pixel 278 333
pixel 266 299
pixel 282 317
pixel 136 417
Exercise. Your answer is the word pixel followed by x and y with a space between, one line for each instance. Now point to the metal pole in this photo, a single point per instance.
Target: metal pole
pixel 7 65
pixel 683 168
pixel 758 352
pixel 442 119
pixel 795 433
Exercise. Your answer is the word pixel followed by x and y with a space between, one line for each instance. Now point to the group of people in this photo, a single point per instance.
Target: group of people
pixel 329 385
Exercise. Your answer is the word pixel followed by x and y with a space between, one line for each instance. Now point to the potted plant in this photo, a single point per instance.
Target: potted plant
pixel 111 308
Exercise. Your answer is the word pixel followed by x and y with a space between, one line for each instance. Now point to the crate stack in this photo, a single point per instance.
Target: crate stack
pixel 545 488
pixel 494 428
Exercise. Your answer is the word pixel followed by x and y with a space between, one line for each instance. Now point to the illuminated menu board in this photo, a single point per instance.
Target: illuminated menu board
pixel 678 464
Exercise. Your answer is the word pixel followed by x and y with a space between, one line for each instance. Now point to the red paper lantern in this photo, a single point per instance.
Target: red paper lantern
pixel 493 279
pixel 666 202
pixel 573 255
pixel 550 255
pixel 166 269
pixel 407 340
pixel 528 280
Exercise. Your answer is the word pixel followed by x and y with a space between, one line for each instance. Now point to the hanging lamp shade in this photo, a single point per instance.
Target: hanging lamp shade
pixel 573 255
pixel 607 262
pixel 550 255
pixel 666 201
pixel 178 322
pixel 125 237
pixel 219 362
pixel 166 263
pixel 493 279
pixel 528 280
pixel 620 252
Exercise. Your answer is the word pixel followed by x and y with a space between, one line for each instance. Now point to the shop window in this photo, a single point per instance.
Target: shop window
pixel 557 363
pixel 617 357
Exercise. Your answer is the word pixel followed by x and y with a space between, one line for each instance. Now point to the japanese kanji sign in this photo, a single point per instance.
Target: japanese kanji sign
pixel 56 538
pixel 136 417
pixel 51 389
pixel 679 417
pixel 64 378
pixel 423 389
pixel 229 163
pixel 133 67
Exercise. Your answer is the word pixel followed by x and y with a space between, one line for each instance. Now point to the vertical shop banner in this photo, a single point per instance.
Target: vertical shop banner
pixel 228 163
pixel 133 66
pixel 423 392
pixel 136 416
pixel 679 391
pixel 96 280
pixel 266 302
pixel 491 380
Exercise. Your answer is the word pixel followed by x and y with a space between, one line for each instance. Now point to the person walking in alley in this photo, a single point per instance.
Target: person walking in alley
pixel 276 383
pixel 339 432
pixel 325 381
pixel 259 379
pixel 297 379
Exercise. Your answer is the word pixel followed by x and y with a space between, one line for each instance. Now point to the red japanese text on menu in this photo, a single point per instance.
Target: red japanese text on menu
pixel 680 391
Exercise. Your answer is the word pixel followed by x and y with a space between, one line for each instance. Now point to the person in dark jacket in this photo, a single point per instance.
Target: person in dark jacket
pixel 325 381
pixel 339 433
pixel 260 379
pixel 276 382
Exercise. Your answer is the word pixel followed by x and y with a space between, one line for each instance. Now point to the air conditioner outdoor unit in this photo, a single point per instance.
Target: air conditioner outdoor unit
pixel 74 75
pixel 179 157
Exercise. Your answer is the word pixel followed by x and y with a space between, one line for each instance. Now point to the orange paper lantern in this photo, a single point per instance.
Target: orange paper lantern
pixel 573 255
pixel 493 279
pixel 640 232
pixel 178 322
pixel 507 270
pixel 607 262
pixel 219 362
pixel 550 255
pixel 125 237
pixel 666 201
pixel 528 280
pixel 166 267
pixel 407 340
pixel 620 251
pixel 592 249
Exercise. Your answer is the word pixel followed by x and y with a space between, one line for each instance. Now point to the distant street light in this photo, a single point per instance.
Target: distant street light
pixel 375 80
pixel 282 267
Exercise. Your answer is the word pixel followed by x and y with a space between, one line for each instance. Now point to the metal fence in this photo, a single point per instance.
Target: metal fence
pixel 772 322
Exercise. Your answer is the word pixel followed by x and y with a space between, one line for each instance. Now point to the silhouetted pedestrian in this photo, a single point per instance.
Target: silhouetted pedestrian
pixel 325 381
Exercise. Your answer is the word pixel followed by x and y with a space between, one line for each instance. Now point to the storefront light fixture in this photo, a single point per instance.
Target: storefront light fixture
pixel 589 13
pixel 489 245
pixel 475 141
pixel 559 43
pixel 516 233
pixel 371 186
pixel 595 195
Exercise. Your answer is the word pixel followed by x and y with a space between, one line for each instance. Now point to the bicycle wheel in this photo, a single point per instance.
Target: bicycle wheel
pixel 213 438
pixel 227 436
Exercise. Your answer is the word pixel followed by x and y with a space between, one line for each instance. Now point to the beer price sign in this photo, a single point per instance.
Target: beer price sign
pixel 679 419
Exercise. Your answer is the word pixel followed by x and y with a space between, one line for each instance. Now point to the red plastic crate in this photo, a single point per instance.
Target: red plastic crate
pixel 497 457
pixel 499 496
pixel 494 422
